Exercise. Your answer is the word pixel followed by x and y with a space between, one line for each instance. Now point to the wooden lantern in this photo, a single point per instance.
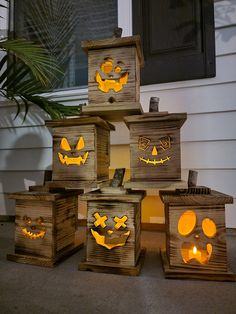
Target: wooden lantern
pixel 45 227
pixel 154 148
pixel 113 77
pixel 113 232
pixel 81 152
pixel 196 234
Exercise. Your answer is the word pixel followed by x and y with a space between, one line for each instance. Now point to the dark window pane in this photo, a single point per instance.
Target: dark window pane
pixel 61 26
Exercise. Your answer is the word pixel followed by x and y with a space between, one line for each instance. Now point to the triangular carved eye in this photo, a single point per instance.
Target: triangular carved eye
pixel 64 144
pixel 80 143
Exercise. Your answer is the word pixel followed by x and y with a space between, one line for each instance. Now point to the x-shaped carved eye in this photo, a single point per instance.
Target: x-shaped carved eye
pixel 100 220
pixel 143 142
pixel 165 142
pixel 120 222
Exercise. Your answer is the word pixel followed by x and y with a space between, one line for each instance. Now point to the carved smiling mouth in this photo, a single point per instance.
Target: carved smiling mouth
pixel 110 242
pixel 33 236
pixel 154 161
pixel 74 160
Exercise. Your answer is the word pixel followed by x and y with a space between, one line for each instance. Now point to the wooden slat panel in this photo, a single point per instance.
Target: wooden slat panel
pixel 103 154
pixel 124 255
pixel 34 210
pixel 218 260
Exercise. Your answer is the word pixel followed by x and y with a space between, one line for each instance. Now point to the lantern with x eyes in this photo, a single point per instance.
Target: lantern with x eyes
pixel 33 229
pixel 110 237
pixel 196 233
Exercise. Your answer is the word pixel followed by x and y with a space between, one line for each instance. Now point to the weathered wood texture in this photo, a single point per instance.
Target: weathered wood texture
pixel 159 130
pixel 114 206
pixel 115 269
pixel 113 112
pixel 210 206
pixel 199 274
pixel 54 214
pixel 113 77
pixel 126 57
pixel 95 133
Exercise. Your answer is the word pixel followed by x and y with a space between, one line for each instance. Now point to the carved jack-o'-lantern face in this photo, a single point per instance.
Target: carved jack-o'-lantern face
pixel 74 158
pixel 33 229
pixel 197 246
pixel 154 154
pixel 110 76
pixel 110 238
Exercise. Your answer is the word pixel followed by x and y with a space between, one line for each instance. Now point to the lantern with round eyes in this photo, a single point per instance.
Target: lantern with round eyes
pixel 154 154
pixel 110 237
pixel 33 229
pixel 111 76
pixel 196 246
pixel 69 156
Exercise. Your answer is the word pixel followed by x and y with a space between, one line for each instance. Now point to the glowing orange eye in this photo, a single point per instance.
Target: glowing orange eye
pixel 120 222
pixel 64 144
pixel 80 143
pixel 27 220
pixel 209 227
pixel 187 222
pixel 100 220
pixel 117 69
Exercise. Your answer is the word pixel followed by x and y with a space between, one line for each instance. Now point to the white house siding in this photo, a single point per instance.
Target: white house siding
pixel 208 136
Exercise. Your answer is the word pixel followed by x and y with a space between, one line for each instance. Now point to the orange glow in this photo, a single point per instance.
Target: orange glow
pixel 33 236
pixel 209 227
pixel 187 222
pixel 193 254
pixel 194 250
pixel 154 151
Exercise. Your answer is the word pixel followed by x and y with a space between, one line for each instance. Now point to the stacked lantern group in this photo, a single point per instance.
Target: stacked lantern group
pixel 81 158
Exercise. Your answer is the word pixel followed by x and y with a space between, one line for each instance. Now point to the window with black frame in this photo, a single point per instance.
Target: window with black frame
pixel 61 26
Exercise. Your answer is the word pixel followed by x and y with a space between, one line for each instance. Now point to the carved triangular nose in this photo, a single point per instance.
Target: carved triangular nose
pixel 154 151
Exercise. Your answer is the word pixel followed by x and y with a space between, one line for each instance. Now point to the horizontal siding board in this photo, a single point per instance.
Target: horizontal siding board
pixel 225 39
pixel 225 13
pixel 209 155
pixel 194 99
pixel 25 137
pixel 210 127
pixel 25 159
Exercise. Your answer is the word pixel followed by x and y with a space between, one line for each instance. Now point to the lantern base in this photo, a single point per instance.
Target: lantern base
pixel 120 270
pixel 45 261
pixel 154 184
pixel 77 185
pixel 114 112
pixel 187 273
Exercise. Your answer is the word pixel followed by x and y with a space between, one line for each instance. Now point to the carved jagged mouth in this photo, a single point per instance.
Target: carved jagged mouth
pixel 154 161
pixel 109 242
pixel 73 161
pixel 33 236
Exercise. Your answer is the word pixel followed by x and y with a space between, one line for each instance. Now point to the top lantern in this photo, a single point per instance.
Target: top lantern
pixel 113 77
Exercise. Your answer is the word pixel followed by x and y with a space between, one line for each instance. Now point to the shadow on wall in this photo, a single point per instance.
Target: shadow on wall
pixel 24 166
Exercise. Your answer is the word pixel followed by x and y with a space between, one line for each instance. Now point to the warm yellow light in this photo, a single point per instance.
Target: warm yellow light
pixel 120 222
pixel 73 160
pixel 209 227
pixel 194 250
pixel 64 144
pixel 187 222
pixel 110 243
pixel 100 220
pixel 80 144
pixel 154 151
